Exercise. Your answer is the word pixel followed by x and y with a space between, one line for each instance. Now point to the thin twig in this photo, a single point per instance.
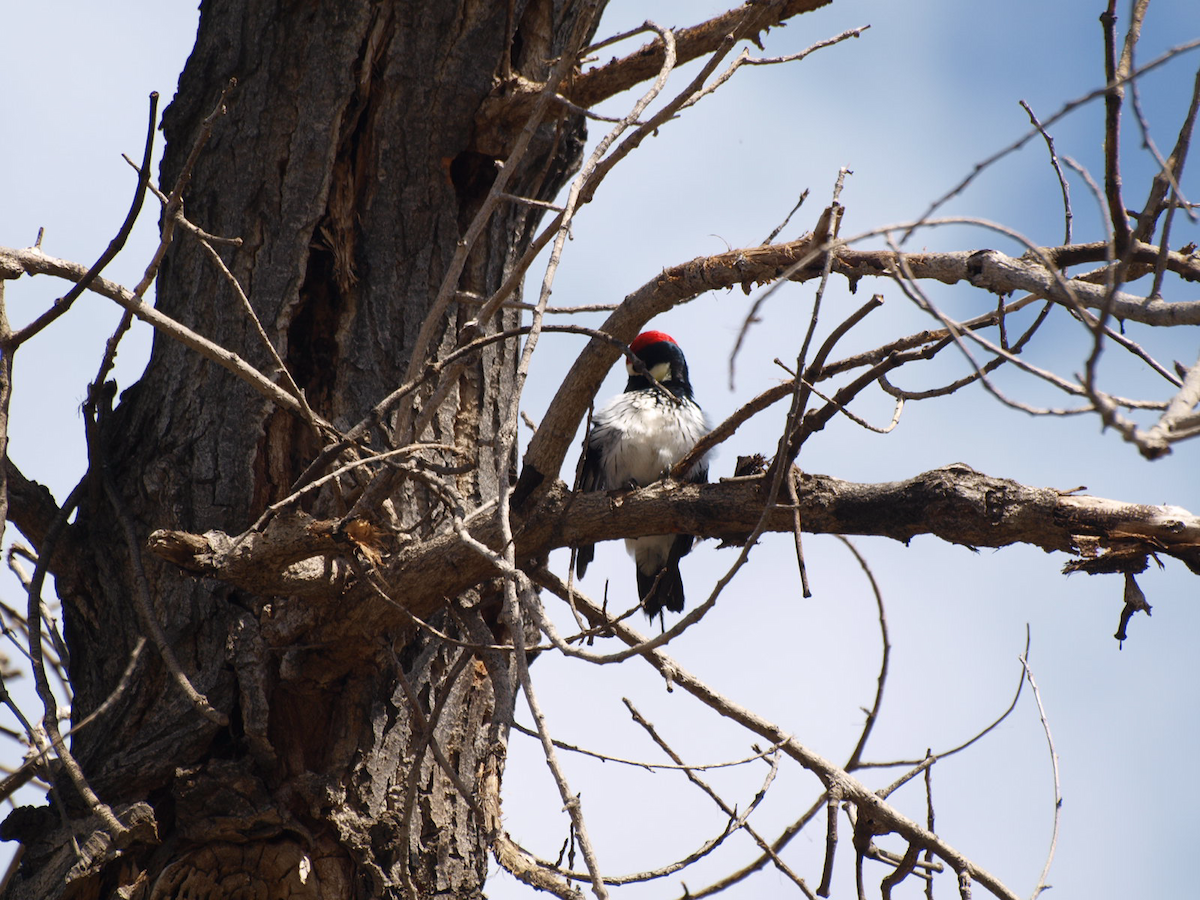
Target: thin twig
pixel 103 811
pixel 782 225
pixel 643 764
pixel 175 199
pixel 1063 111
pixel 797 529
pixel 930 822
pixel 738 820
pixel 1114 75
pixel 144 605
pixel 570 801
pixel 756 865
pixel 826 771
pixel 110 252
pixel 929 758
pixel 1042 885
pixel 28 769
pixel 745 59
pixel 36 262
pixel 885 656
pixel 1068 215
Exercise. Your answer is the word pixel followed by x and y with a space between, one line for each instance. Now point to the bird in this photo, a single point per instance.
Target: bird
pixel 634 440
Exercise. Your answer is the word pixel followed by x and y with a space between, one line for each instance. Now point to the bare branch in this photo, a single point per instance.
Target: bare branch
pixel 145 610
pixel 644 764
pixel 29 768
pixel 921 765
pixel 885 655
pixel 606 81
pixel 1000 274
pixel 1068 215
pixel 570 801
pixel 34 262
pixel 989 270
pixel 1042 885
pixel 298 554
pixel 739 821
pixel 110 252
pixel 744 58
pixel 1180 419
pixel 1067 108
pixel 49 737
pixel 1116 75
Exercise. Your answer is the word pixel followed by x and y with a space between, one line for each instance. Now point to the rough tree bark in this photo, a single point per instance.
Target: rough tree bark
pixel 348 162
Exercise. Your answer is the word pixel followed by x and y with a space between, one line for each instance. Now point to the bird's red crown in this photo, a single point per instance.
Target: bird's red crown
pixel 646 338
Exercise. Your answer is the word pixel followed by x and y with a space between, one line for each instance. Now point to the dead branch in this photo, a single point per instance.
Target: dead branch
pixel 1042 885
pixel 299 555
pixel 145 607
pixel 32 261
pixel 12 341
pixel 610 79
pixel 740 821
pixel 997 273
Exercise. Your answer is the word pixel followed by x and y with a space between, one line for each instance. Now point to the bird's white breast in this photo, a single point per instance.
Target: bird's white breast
pixel 647 434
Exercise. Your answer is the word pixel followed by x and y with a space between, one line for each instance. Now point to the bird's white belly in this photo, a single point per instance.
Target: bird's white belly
pixel 650 553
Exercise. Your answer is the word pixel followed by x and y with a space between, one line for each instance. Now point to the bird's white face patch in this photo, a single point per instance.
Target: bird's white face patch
pixel 661 372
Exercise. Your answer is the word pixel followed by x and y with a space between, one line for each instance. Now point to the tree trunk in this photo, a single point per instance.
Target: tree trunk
pixel 349 163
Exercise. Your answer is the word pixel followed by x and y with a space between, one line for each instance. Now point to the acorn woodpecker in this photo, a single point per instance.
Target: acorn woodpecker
pixel 634 440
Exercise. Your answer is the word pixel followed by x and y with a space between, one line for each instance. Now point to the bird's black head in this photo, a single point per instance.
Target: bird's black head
pixel 664 360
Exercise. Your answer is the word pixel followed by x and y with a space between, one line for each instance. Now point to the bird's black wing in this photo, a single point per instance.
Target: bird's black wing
pixel 590 479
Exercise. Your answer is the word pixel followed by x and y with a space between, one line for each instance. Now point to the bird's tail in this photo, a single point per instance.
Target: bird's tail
pixel 661 590
pixel 583 558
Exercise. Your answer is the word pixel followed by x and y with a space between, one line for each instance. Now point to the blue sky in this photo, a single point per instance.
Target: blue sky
pixel 931 89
